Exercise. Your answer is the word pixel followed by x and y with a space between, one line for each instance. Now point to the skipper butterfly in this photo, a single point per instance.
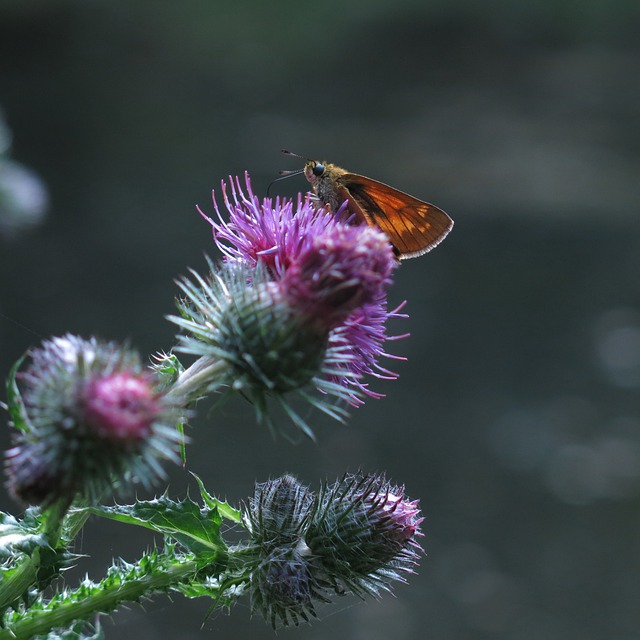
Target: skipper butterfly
pixel 413 227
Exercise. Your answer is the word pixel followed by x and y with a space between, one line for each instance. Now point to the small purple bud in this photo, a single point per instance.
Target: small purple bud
pixel 404 518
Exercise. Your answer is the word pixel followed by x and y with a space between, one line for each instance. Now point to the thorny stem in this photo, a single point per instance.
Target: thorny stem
pixel 103 601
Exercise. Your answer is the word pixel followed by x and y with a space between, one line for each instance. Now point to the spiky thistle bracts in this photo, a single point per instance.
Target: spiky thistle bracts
pixel 357 536
pixel 92 420
pixel 299 302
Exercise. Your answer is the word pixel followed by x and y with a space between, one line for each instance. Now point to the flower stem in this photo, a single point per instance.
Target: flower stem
pixel 201 375
pixel 54 518
pixel 101 599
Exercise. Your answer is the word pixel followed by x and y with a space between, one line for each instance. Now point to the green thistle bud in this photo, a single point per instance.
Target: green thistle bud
pixel 282 587
pixel 278 511
pixel 250 338
pixel 241 318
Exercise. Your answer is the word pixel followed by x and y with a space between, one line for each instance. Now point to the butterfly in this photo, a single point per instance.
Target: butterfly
pixel 413 227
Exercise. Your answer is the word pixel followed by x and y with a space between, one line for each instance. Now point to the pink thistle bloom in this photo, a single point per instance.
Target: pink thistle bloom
pixel 334 273
pixel 338 272
pixel 271 231
pixel 121 407
pixel 88 418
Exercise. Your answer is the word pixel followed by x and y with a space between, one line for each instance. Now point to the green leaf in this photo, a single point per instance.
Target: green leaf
pixel 196 589
pixel 223 507
pixel 223 594
pixel 168 368
pixel 19 536
pixel 17 578
pixel 15 405
pixel 27 557
pixel 196 529
pixel 73 522
pixel 183 442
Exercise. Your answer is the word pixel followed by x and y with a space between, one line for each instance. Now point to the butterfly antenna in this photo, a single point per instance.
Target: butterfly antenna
pixel 295 155
pixel 283 175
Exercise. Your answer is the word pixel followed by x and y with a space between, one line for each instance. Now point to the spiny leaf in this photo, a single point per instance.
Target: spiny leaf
pixel 19 535
pixel 223 507
pixel 196 529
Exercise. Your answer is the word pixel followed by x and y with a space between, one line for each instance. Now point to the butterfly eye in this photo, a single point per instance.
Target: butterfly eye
pixel 318 169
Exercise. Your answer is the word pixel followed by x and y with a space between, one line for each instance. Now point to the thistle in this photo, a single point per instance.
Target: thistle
pixel 296 312
pixel 356 536
pixel 88 418
pixel 299 303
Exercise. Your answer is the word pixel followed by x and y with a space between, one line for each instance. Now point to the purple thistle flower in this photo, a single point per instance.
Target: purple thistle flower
pixel 121 407
pixel 362 336
pixel 333 273
pixel 338 272
pixel 272 232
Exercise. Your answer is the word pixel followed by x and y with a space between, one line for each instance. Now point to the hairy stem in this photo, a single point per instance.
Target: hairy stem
pixel 101 599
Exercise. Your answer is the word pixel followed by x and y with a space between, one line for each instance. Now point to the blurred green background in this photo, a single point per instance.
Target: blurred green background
pixel 516 419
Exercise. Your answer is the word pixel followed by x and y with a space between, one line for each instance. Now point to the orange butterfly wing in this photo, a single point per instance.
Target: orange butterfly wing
pixel 413 226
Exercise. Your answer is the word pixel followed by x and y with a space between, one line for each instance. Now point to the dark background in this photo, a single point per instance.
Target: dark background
pixel 516 419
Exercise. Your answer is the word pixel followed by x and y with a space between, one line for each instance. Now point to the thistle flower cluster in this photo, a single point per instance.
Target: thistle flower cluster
pixel 295 311
pixel 89 418
pixel 355 536
pixel 298 304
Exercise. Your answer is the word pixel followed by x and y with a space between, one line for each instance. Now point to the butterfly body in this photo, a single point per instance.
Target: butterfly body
pixel 413 226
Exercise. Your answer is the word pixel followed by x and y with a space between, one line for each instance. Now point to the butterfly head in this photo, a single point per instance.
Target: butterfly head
pixel 313 171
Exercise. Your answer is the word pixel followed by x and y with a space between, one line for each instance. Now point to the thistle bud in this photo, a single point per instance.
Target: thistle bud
pixel 120 408
pixel 364 532
pixel 356 536
pixel 279 510
pixel 240 320
pixel 90 418
pixel 282 587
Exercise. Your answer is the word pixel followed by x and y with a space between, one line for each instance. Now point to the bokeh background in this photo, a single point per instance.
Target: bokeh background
pixel 516 419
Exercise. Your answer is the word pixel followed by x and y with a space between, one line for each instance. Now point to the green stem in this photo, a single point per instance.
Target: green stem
pixel 18 582
pixel 64 613
pixel 199 376
pixel 54 518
